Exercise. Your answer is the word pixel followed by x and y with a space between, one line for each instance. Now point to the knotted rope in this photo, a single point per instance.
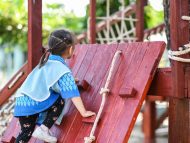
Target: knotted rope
pixel 104 91
pixel 182 50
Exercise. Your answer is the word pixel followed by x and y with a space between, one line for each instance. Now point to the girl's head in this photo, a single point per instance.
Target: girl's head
pixel 61 42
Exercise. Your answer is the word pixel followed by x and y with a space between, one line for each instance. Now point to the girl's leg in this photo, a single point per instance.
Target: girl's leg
pixel 27 124
pixel 53 112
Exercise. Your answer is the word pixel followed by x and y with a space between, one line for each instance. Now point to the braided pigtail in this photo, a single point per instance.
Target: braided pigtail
pixel 44 57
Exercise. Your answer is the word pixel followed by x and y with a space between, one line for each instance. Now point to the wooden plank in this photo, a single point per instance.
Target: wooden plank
pixel 104 52
pixel 162 83
pixel 80 74
pixel 13 84
pixel 131 107
pixel 128 53
pixel 34 33
pixel 125 66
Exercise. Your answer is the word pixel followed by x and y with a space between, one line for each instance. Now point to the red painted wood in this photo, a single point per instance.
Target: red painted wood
pixel 156 98
pixel 92 29
pixel 128 52
pixel 133 68
pixel 127 92
pixel 162 83
pixel 89 120
pixel 8 135
pixel 104 52
pixel 6 92
pixel 140 16
pixel 83 85
pixel 179 108
pixel 149 122
pixel 87 61
pixel 130 108
pixel 34 32
pixel 158 29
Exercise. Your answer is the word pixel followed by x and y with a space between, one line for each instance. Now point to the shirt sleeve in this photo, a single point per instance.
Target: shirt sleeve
pixel 67 86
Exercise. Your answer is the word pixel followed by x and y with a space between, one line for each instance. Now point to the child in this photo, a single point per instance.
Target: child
pixel 46 89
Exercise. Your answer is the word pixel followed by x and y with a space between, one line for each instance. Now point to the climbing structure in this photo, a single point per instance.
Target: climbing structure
pixel 120 111
pixel 131 77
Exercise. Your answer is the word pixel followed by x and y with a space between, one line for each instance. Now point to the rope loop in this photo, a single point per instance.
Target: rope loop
pixel 104 90
pixel 182 50
pixel 185 18
pixel 89 139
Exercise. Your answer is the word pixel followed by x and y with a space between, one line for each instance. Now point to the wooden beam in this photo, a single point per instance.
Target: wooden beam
pixel 140 17
pixel 179 109
pixel 34 32
pixel 162 83
pixel 13 84
pixel 92 29
pixel 149 119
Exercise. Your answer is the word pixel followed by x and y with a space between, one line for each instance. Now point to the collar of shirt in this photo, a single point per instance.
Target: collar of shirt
pixel 57 58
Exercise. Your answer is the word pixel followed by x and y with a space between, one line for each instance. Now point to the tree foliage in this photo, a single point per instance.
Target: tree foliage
pixel 13 20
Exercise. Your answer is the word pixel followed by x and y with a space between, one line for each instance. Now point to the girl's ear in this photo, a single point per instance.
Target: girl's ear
pixel 71 50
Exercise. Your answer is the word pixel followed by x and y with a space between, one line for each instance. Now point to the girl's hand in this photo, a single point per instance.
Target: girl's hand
pixel 88 114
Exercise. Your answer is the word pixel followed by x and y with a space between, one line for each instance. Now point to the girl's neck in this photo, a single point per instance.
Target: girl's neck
pixel 64 56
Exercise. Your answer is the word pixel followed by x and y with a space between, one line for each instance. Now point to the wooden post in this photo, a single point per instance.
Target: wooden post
pixel 149 120
pixel 140 17
pixel 34 33
pixel 92 30
pixel 179 106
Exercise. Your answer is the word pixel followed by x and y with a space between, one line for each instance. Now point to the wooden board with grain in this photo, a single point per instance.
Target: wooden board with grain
pixel 135 68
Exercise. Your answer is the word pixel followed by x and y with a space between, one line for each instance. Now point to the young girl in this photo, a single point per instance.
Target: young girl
pixel 46 88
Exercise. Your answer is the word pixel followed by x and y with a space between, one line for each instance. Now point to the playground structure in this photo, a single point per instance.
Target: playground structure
pixel 173 85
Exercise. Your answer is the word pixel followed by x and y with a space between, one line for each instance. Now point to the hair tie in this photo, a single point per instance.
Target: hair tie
pixel 56 38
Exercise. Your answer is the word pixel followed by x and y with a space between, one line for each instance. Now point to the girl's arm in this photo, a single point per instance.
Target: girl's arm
pixel 77 101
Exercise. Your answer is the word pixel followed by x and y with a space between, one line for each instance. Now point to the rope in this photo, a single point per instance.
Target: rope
pixel 185 18
pixel 104 91
pixel 182 50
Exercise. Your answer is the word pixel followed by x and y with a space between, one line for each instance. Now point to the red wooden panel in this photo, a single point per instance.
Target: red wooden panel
pixel 98 71
pixel 135 68
pixel 127 55
pixel 131 106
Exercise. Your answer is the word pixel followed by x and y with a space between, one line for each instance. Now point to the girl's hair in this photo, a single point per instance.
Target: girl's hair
pixel 58 42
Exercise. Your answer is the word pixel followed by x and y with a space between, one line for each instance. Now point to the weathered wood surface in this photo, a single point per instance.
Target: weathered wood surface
pixel 135 68
pixel 179 109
